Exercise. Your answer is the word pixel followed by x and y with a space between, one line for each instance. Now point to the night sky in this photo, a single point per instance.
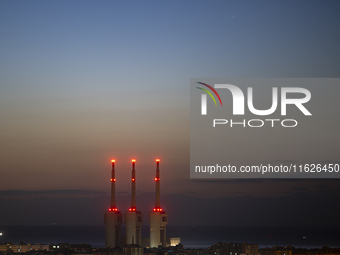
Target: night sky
pixel 82 82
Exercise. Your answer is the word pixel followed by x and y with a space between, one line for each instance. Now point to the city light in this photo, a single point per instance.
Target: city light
pixel 133 160
pixel 113 160
pixel 157 160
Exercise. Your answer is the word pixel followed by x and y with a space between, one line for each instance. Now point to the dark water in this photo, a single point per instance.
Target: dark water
pixel 191 236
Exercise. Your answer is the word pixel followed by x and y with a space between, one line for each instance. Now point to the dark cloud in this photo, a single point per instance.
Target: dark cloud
pixel 299 188
pixel 49 192
pixel 323 187
pixel 192 192
pixel 123 193
pixel 298 209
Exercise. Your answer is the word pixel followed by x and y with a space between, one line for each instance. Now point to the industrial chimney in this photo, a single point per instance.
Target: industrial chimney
pixel 113 218
pixel 133 219
pixel 158 218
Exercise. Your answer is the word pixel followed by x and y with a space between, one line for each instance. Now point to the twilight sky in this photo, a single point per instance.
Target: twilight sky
pixel 82 82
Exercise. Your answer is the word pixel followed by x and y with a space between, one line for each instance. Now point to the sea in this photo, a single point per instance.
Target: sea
pixel 194 237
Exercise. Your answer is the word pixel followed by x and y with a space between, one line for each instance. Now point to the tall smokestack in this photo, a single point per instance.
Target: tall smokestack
pixel 113 187
pixel 157 179
pixel 133 187
pixel 133 219
pixel 158 219
pixel 113 218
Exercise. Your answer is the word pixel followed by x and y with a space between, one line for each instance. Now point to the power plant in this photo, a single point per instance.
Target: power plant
pixel 133 218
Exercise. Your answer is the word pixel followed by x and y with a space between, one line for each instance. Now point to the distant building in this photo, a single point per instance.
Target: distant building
pixel 23 247
pixel 250 249
pixel 290 250
pixel 196 252
pixel 133 249
pixel 151 251
pixel 173 241
pixel 234 249
pixel 108 251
